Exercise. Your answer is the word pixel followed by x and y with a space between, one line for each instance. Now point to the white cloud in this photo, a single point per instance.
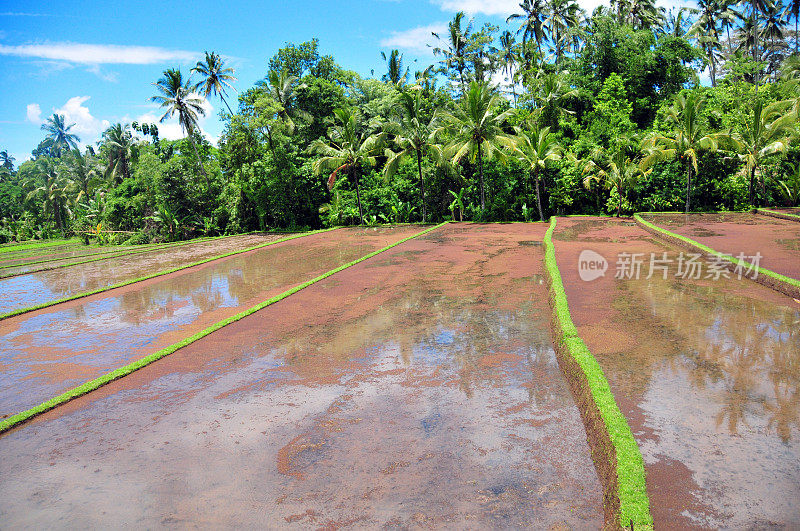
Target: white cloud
pixel 486 7
pixel 96 54
pixel 170 129
pixel 87 127
pixel 415 39
pixel 34 113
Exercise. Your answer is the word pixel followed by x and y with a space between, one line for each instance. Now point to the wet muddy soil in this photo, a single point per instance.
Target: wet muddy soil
pixel 14 263
pixel 45 286
pixel 49 351
pixel 777 240
pixel 706 371
pixel 416 389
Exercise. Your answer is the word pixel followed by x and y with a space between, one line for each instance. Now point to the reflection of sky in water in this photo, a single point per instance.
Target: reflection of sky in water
pixel 102 334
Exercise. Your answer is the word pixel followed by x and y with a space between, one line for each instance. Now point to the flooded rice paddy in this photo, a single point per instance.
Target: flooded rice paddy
pixel 46 286
pixel 416 389
pixel 49 351
pixel 777 240
pixel 707 373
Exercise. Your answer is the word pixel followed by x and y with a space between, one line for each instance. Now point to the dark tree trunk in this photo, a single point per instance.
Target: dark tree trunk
pixel 358 195
pixel 480 172
pixel 688 188
pixel 538 194
pixel 421 184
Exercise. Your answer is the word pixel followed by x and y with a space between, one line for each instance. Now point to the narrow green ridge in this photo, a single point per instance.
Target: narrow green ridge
pixel 13 247
pixel 20 311
pixel 96 383
pixel 782 279
pixel 779 215
pixel 632 490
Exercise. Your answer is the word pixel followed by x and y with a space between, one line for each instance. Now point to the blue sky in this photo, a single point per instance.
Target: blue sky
pixel 95 61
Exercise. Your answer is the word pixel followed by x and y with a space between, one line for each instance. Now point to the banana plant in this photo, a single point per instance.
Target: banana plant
pixel 458 201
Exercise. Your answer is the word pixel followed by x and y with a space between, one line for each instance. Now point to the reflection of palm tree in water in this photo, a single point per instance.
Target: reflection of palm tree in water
pixel 739 344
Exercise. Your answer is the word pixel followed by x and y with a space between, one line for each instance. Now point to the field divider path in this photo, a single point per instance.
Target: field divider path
pixel 118 254
pixel 96 383
pixel 776 214
pixel 615 453
pixel 771 279
pixel 21 311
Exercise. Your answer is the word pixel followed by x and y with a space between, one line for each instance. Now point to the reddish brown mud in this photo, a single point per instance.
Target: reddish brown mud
pixel 416 389
pixel 45 286
pixel 707 373
pixel 49 351
pixel 778 240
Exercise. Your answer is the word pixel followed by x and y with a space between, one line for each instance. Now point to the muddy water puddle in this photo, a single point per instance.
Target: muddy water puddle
pixel 417 389
pixel 45 286
pixel 47 352
pixel 707 373
pixel 776 240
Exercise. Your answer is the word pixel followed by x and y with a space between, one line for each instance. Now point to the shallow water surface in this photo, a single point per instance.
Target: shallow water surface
pixel 707 373
pixel 418 388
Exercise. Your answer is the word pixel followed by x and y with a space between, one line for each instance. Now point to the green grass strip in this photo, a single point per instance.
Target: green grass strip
pixel 45 260
pixel 160 273
pixel 631 488
pixel 792 285
pixel 13 247
pixel 779 215
pixel 91 385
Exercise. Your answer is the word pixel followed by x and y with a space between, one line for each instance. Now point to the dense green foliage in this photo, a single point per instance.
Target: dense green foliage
pixel 597 114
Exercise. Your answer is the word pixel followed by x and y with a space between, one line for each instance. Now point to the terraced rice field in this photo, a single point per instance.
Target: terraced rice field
pixel 423 386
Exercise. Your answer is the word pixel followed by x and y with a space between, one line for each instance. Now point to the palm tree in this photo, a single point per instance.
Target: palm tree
pixel 412 137
pixel 564 14
pixel 51 186
pixel 792 11
pixel 705 29
pixel 85 173
pixel 618 168
pixel 476 127
pixel 685 141
pixel 6 160
pixel 535 149
pixel 767 132
pixel 282 86
pixel 455 50
pixel 215 77
pixel 550 93
pixel 58 133
pixel 346 150
pixel 508 56
pixel 394 65
pixel 117 142
pixel 532 25
pixel 176 98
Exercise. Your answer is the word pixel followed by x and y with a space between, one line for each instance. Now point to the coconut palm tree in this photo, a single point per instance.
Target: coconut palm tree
pixel 176 97
pixel 767 131
pixel 619 168
pixel 476 126
pixel 117 143
pixel 282 87
pixel 508 56
pixel 705 30
pixel 455 48
pixel 6 160
pixel 412 136
pixel 532 22
pixel 215 77
pixel 50 186
pixel 85 173
pixel 536 148
pixel 686 140
pixel 394 64
pixel 563 15
pixel 347 149
pixel 58 132
pixel 792 11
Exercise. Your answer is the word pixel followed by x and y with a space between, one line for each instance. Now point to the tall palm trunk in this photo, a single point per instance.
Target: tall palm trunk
pixel 358 193
pixel 197 154
pixel 538 193
pixel 755 40
pixel 226 104
pixel 480 172
pixel 752 186
pixel 619 200
pixel 421 184
pixel 688 187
